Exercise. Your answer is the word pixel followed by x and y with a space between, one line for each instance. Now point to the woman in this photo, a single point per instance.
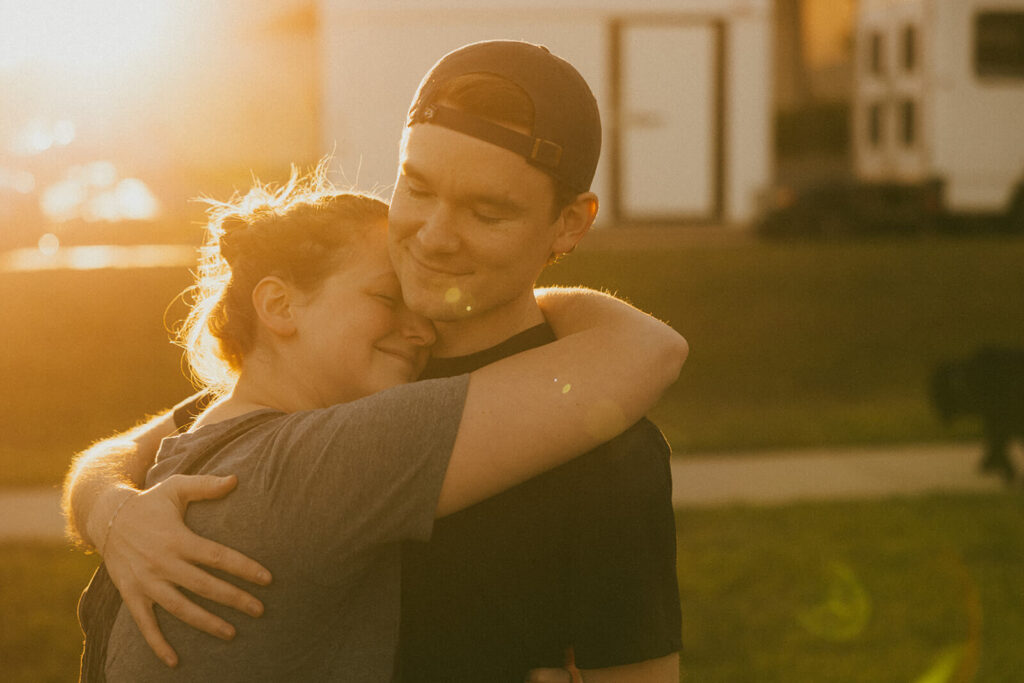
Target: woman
pixel 300 320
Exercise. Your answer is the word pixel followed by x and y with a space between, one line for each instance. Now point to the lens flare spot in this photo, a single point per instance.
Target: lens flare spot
pixel 61 201
pixel 49 244
pixel 21 182
pixel 101 174
pixel 93 192
pixel 452 295
pixel 64 132
pixel 845 610
pixel 945 667
pixel 134 200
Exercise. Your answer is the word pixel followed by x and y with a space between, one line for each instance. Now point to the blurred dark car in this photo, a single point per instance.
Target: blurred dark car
pixel 845 208
pixel 836 209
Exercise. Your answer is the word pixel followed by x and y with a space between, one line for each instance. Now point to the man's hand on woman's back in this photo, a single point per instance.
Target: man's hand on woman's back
pixel 151 555
pixel 149 552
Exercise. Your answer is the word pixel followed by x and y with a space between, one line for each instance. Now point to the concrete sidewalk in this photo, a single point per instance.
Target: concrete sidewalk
pixel 782 477
pixel 772 478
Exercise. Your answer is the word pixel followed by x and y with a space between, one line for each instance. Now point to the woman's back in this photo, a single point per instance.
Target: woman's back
pixel 323 499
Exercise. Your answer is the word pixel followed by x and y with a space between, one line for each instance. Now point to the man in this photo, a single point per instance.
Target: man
pixel 571 574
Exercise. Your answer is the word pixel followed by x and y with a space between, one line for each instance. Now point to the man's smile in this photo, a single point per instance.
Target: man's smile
pixel 437 270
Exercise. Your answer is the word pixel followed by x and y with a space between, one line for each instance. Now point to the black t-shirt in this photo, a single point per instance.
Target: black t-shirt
pixel 582 556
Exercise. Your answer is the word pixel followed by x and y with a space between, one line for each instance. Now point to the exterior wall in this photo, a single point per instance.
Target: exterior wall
pixel 979 147
pixel 536 8
pixel 968 128
pixel 241 94
pixel 373 60
pixel 749 143
pixel 888 85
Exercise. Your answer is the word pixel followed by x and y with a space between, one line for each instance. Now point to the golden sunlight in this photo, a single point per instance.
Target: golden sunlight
pixel 173 92
pixel 94 192
pixel 77 36
pixel 49 244
pixel 50 255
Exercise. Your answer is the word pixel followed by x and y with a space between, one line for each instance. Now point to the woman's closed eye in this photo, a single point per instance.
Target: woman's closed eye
pixel 388 298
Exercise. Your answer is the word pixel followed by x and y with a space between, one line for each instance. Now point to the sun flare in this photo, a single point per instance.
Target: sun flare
pixel 79 36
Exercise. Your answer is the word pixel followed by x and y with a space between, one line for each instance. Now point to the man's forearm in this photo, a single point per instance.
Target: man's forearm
pixel 101 476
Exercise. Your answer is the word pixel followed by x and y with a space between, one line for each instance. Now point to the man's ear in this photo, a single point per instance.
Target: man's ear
pixel 272 298
pixel 576 219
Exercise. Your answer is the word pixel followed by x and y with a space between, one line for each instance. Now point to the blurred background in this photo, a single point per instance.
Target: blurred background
pixel 824 196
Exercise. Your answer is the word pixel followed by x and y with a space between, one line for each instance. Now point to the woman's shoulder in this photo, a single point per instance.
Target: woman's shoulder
pixel 433 400
pixel 389 414
pixel 423 391
pixel 178 451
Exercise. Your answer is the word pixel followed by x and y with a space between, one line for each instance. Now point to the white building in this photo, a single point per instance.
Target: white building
pixel 939 96
pixel 684 88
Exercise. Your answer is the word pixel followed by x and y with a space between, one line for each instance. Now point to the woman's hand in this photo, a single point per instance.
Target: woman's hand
pixel 150 554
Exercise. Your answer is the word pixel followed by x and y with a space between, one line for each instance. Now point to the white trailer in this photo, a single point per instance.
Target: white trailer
pixel 939 99
pixel 684 88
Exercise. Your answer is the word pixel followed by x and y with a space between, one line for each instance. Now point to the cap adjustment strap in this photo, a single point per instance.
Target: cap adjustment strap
pixel 546 153
pixel 537 150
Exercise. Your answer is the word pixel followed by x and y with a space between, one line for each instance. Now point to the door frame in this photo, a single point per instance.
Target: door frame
pixel 616 30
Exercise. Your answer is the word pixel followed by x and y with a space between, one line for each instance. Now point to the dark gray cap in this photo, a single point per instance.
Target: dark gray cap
pixel 565 141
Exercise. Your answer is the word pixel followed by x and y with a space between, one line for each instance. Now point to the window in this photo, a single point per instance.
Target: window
pixel 908 123
pixel 909 49
pixel 876 56
pixel 999 44
pixel 874 121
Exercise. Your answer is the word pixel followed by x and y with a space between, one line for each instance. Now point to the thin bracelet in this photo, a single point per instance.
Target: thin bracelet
pixel 110 524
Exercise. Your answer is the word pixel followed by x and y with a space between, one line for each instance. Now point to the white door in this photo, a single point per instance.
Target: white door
pixel 668 122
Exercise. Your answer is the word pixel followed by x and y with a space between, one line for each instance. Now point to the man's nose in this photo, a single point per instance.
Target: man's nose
pixel 437 231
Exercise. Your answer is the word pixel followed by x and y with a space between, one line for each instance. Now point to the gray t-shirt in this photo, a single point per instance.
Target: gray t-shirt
pixel 324 499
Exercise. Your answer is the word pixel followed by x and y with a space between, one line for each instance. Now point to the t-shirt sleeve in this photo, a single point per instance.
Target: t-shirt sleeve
pixel 625 594
pixel 364 472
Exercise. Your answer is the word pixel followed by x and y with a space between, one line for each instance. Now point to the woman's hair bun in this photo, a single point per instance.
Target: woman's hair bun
pixel 230 227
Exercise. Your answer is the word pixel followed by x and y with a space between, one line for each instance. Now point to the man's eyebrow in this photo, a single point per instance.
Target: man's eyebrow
pixel 498 203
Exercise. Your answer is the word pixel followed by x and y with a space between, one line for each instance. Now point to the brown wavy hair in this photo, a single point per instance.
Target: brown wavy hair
pixel 300 231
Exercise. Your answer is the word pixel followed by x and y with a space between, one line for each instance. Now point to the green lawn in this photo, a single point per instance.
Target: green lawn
pixel 855 592
pixel 815 343
pixel 912 591
pixel 40 641
pixel 792 344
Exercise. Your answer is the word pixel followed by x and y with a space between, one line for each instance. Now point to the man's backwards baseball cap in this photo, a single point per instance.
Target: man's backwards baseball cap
pixel 565 141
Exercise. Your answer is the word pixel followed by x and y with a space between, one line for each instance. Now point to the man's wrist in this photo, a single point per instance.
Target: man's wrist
pixel 104 511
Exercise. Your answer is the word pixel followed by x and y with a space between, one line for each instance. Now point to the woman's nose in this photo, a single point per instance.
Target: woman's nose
pixel 416 329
